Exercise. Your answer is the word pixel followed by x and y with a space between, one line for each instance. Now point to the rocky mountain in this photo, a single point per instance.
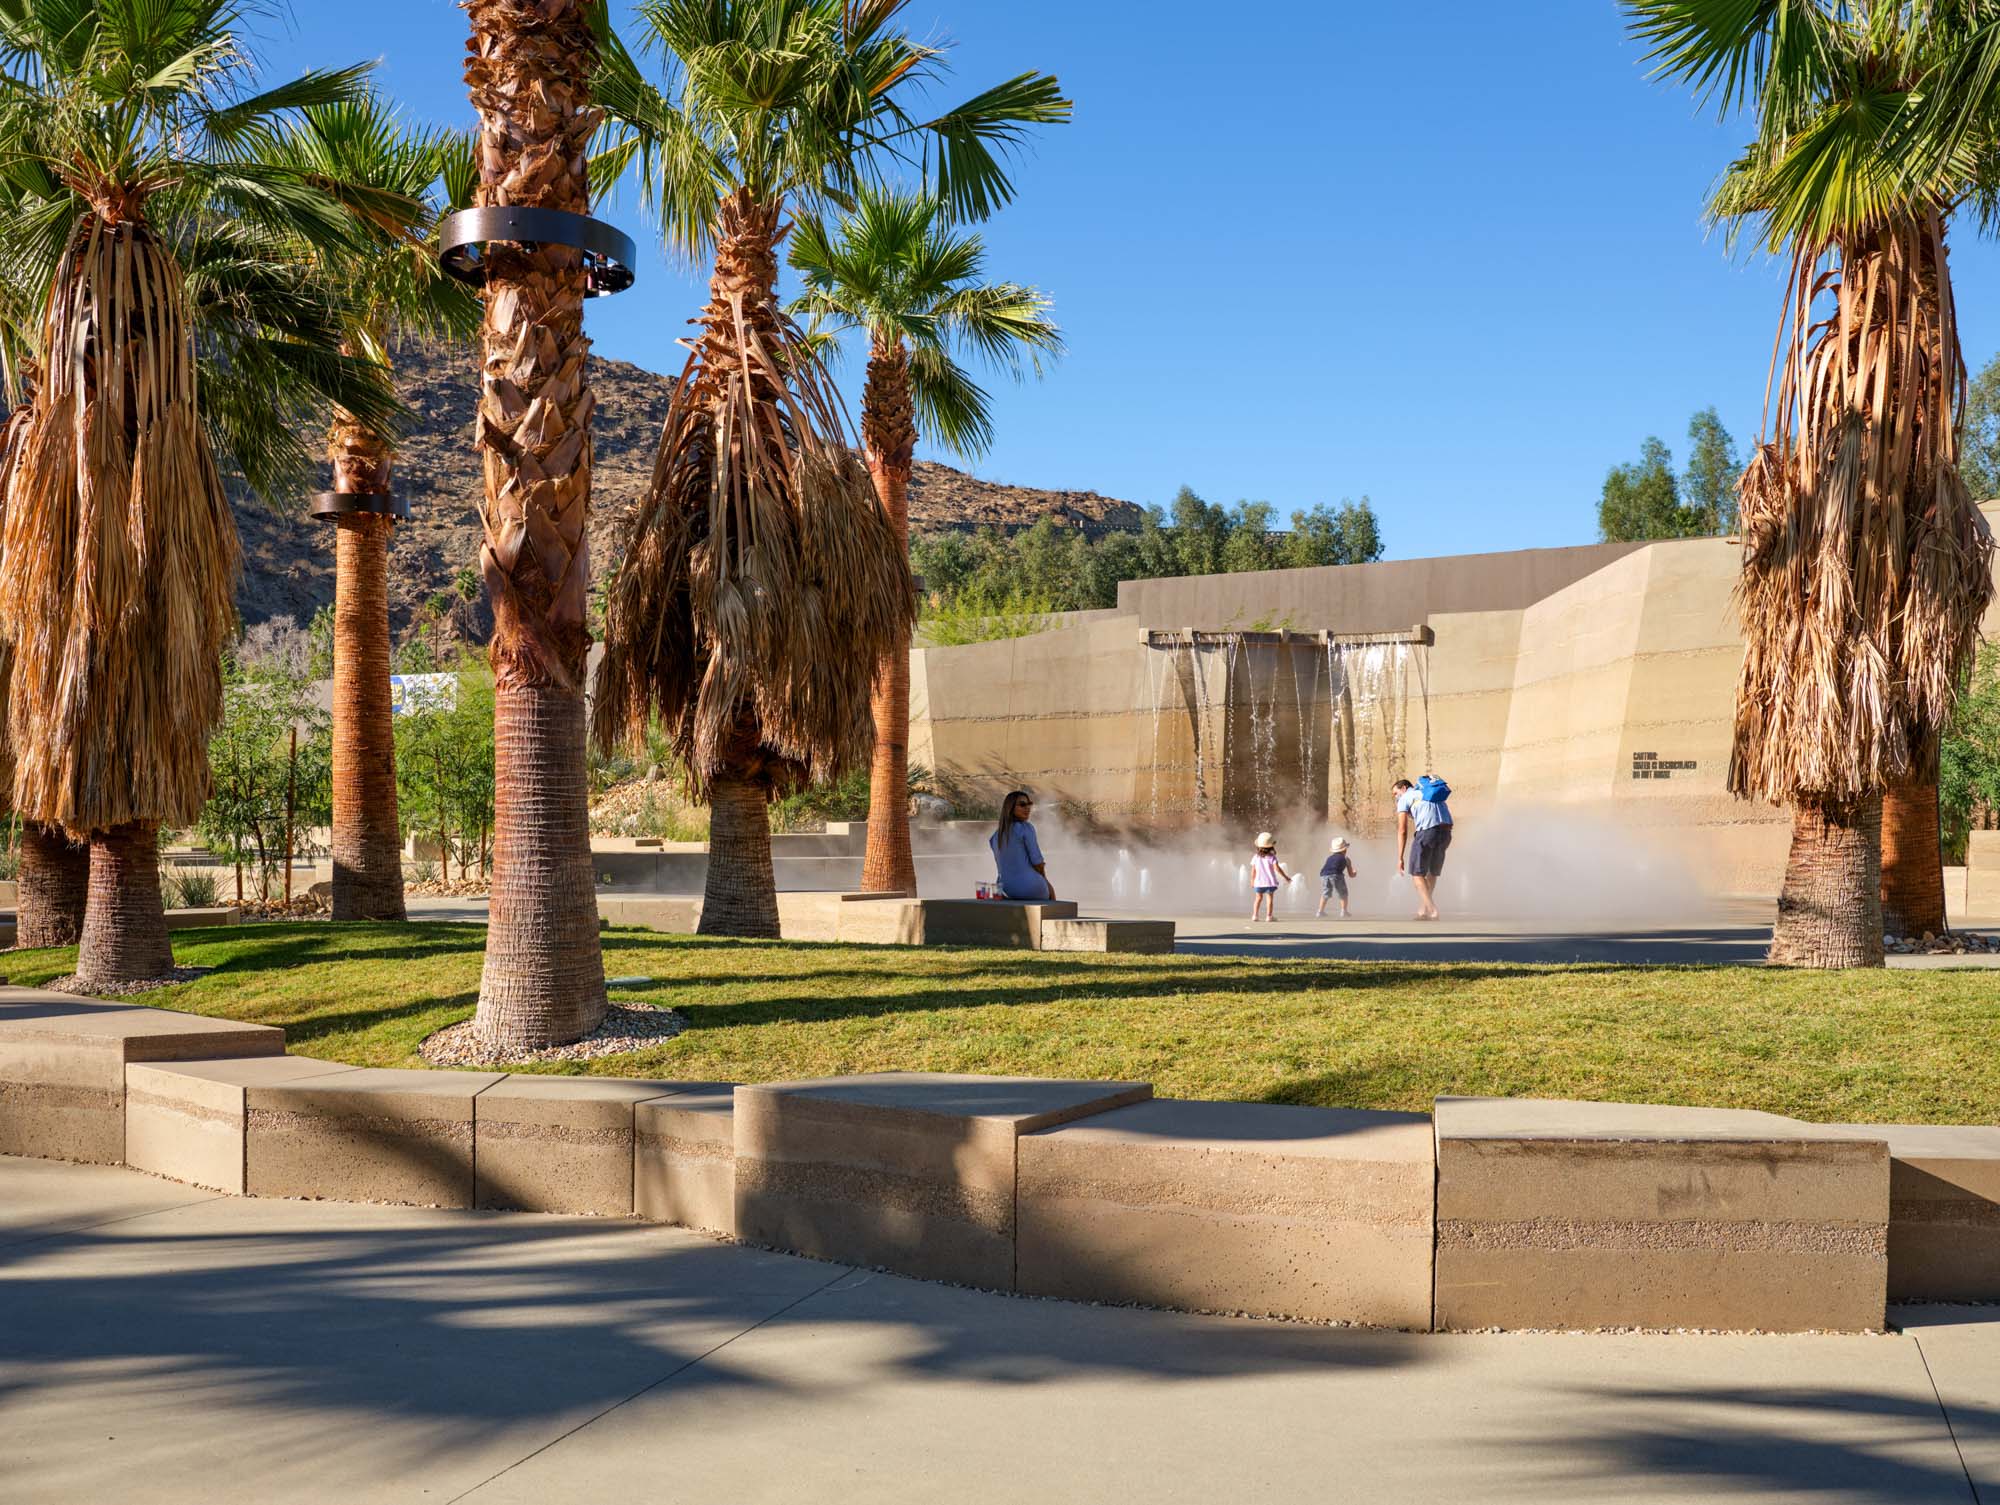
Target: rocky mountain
pixel 288 557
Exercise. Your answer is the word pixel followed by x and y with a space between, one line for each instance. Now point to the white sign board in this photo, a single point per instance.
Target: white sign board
pixel 414 694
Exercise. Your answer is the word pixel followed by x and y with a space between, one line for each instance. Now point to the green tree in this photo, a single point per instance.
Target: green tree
pixel 1969 756
pixel 271 759
pixel 1708 484
pixel 145 243
pixel 1642 500
pixel 1322 536
pixel 445 767
pixel 771 107
pixel 1198 532
pixel 1979 433
pixel 1249 543
pixel 1873 122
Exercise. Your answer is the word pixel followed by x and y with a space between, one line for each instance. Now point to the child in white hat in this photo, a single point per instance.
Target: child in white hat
pixel 1333 876
pixel 1266 873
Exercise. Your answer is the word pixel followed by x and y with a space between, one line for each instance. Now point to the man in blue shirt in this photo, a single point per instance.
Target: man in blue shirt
pixel 1423 832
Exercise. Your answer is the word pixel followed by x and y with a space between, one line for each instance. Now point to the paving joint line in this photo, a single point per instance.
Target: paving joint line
pixel 1951 1431
pixel 679 1369
pixel 130 1217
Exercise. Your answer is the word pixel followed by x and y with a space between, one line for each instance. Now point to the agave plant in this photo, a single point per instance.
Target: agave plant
pixel 142 224
pixel 898 271
pixel 764 580
pixel 1866 566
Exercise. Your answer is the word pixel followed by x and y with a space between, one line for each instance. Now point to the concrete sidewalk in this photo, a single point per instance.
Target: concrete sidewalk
pixel 161 1344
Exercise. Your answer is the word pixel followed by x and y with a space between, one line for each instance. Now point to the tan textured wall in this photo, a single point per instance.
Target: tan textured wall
pixel 1555 677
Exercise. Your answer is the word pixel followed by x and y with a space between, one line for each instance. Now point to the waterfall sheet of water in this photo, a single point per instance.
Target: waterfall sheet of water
pixel 1251 749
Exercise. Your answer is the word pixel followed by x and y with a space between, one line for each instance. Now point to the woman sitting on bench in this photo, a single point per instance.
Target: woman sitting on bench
pixel 1017 855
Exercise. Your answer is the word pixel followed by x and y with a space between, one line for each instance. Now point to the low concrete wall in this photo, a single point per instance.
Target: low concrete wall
pixel 1555 1214
pixel 1496 1213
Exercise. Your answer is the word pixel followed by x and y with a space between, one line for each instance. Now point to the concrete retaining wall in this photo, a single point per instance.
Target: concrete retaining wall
pixel 1494 1213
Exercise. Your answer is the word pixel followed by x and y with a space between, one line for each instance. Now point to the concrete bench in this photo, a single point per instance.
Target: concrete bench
pixel 1591 1215
pixel 685 1158
pixel 1132 937
pixel 185 1119
pixel 1944 1210
pixel 1314 1213
pixel 368 1135
pixel 558 1143
pixel 911 1171
pixel 63 1061
pixel 987 922
pixel 201 918
pixel 672 914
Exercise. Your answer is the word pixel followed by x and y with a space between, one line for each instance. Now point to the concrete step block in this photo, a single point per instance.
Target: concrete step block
pixel 1591 1215
pixel 371 1135
pixel 670 914
pixel 1133 937
pixel 685 1158
pixel 201 918
pixel 989 922
pixel 911 1171
pixel 558 1143
pixel 1944 1210
pixel 63 1060
pixel 185 1119
pixel 1315 1213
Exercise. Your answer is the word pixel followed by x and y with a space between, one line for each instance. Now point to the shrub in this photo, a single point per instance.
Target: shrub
pixel 190 888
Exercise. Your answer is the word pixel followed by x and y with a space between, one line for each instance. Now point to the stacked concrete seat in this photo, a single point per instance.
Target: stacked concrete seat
pixel 63 1060
pixel 910 1171
pixel 186 1120
pixel 560 1143
pixel 684 1158
pixel 370 1135
pixel 1592 1215
pixel 1944 1210
pixel 1131 937
pixel 1242 1207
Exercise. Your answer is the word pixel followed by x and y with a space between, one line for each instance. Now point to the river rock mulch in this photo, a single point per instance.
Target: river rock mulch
pixel 1951 943
pixel 68 983
pixel 626 1027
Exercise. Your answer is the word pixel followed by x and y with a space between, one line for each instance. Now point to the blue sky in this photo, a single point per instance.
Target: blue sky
pixel 1449 257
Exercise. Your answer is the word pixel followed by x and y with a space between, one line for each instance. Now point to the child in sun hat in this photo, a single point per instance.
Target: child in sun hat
pixel 1333 876
pixel 1266 873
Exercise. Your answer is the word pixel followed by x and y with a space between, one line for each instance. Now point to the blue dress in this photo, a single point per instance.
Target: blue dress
pixel 1016 863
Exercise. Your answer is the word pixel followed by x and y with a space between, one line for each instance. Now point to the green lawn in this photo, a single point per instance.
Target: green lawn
pixel 1888 1046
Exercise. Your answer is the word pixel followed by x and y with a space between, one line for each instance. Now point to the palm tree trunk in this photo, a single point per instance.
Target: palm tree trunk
pixel 741 895
pixel 125 928
pixel 1912 849
pixel 529 77
pixel 367 840
pixel 54 887
pixel 889 434
pixel 1830 909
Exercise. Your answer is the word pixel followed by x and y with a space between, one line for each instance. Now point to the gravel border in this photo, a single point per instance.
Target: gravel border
pixel 627 1027
pixel 68 983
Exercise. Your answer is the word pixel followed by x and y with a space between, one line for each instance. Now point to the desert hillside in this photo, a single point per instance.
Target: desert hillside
pixel 288 559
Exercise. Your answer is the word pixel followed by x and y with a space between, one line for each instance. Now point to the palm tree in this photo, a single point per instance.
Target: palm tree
pixel 899 271
pixel 529 73
pixel 764 581
pixel 1866 566
pixel 173 322
pixel 392 286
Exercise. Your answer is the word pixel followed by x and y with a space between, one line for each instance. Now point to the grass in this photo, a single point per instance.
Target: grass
pixel 1898 1046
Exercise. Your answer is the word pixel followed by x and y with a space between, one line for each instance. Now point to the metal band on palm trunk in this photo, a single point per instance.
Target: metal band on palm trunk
pixel 608 255
pixel 353 503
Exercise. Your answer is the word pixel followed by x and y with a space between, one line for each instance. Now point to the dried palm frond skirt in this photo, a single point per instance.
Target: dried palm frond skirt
pixel 120 547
